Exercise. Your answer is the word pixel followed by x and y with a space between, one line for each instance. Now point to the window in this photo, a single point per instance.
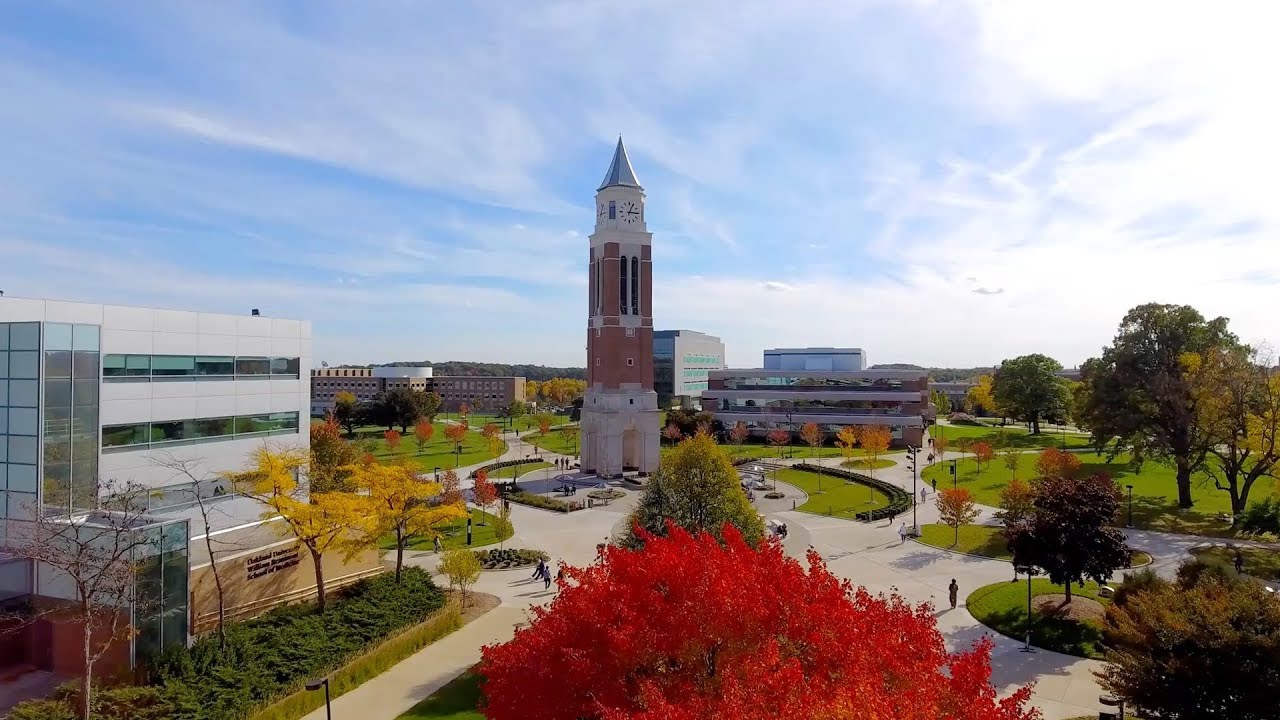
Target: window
pixel 630 362
pixel 168 365
pixel 599 267
pixel 285 366
pixel 168 431
pixel 253 366
pixel 622 285
pixel 215 365
pixel 613 210
pixel 209 427
pixel 635 285
pixel 631 332
pixel 119 435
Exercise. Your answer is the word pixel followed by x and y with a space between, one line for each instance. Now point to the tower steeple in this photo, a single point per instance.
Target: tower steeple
pixel 620 172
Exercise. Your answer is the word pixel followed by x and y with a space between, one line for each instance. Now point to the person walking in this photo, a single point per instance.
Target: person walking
pixel 1239 562
pixel 902 533
pixel 954 591
pixel 923 492
pixel 935 484
pixel 540 570
pixel 437 544
pixel 546 577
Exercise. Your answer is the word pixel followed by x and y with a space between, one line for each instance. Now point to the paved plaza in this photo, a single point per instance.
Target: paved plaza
pixel 870 555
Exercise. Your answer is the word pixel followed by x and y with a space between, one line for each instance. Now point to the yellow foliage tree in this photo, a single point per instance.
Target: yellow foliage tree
pixel 875 440
pixel 981 397
pixel 321 522
pixel 397 499
pixel 847 440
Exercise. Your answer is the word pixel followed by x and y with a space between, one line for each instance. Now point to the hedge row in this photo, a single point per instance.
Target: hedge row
pixel 504 464
pixel 899 499
pixel 264 659
pixel 524 497
pixel 509 558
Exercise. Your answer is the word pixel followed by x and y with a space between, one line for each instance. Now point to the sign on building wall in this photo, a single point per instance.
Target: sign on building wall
pixel 273 561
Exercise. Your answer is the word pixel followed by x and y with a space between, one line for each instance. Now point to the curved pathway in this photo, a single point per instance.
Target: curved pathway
pixel 870 555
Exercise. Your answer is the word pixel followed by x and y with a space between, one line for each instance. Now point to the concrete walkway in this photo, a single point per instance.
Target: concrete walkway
pixel 870 555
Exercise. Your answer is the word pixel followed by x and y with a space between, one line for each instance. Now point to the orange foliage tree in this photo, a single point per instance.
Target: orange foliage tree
pixel 956 508
pixel 778 437
pixel 492 435
pixel 450 488
pixel 483 492
pixel 393 439
pixel 423 431
pixel 456 432
pixel 1055 463
pixel 793 648
pixel 739 433
pixel 983 453
pixel 672 433
pixel 875 441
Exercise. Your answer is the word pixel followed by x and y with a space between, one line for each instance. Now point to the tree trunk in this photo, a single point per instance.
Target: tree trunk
pixel 1067 585
pixel 315 560
pixel 217 583
pixel 86 682
pixel 1035 424
pixel 399 553
pixel 1184 483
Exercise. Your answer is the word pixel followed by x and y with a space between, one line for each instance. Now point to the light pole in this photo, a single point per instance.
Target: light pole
pixel 955 478
pixel 915 525
pixel 1026 646
pixel 316 685
pixel 1130 505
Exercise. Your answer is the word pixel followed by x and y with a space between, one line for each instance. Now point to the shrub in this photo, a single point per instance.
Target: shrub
pixel 1136 582
pixel 1196 569
pixel 609 494
pixel 509 558
pixel 1262 517
pixel 524 497
pixel 959 418
pixel 275 654
pixel 126 702
pixel 491 467
pixel 775 495
pixel 42 710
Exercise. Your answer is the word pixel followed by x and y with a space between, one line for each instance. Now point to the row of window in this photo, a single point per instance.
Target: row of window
pixel 701 360
pixel 811 383
pixel 197 430
pixel 165 366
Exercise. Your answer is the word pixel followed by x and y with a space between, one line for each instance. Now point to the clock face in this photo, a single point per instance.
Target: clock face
pixel 604 212
pixel 629 212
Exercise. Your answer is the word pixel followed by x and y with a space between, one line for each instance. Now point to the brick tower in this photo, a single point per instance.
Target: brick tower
pixel 620 411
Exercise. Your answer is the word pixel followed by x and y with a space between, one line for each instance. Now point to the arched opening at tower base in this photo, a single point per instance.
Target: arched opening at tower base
pixel 632 453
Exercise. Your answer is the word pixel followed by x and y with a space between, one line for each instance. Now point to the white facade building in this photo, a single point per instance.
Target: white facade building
pixel 106 393
pixel 815 358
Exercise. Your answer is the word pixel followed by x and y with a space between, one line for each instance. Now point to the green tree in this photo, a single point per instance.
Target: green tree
pixel 1206 646
pixel 697 488
pixel 346 410
pixel 462 568
pixel 515 410
pixel 941 402
pixel 1069 533
pixel 428 404
pixel 1238 401
pixel 1138 393
pixel 1029 389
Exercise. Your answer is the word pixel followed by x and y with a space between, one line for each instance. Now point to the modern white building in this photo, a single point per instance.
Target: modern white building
pixel 815 358
pixel 93 393
pixel 681 361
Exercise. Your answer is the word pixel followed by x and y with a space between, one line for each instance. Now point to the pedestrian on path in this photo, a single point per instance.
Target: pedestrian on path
pixel 902 533
pixel 437 544
pixel 923 492
pixel 546 577
pixel 954 590
pixel 1239 562
pixel 541 569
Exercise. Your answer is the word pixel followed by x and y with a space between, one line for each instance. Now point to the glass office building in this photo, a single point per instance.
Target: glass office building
pixel 682 361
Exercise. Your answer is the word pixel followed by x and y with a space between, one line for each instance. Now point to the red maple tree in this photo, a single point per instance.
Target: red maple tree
pixel 483 492
pixel 690 628
pixel 393 439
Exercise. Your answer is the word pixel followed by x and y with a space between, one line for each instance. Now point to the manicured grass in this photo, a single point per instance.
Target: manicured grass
pixel 838 498
pixel 1155 491
pixel 1259 562
pixel 554 442
pixel 524 423
pixel 1009 436
pixel 1002 607
pixel 436 453
pixel 984 540
pixel 457 700
pixel 518 471
pixel 455 534
pixel 865 464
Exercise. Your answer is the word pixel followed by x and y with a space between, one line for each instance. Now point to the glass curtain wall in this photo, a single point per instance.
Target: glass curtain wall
pixel 161 600
pixel 70 428
pixel 19 420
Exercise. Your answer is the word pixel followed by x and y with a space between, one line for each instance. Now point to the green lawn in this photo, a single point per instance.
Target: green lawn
pixel 554 442
pixel 865 464
pixel 1013 436
pixel 1259 562
pixel 519 471
pixel 838 497
pixel 436 453
pixel 457 700
pixel 1155 491
pixel 984 540
pixel 524 423
pixel 455 534
pixel 1002 607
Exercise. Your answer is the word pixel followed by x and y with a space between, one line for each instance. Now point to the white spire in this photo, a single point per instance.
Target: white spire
pixel 620 172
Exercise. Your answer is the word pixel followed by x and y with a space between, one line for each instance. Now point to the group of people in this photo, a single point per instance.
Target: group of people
pixel 543 572
pixel 563 463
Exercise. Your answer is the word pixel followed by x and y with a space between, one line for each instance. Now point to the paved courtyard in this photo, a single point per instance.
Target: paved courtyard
pixel 870 555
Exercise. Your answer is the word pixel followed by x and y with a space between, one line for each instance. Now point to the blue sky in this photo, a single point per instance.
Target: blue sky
pixel 946 183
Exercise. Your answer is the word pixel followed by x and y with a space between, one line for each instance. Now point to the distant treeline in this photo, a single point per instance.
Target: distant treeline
pixel 481 369
pixel 941 374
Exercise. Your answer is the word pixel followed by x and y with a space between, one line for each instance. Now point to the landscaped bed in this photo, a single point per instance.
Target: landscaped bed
pixel 457 700
pixel 840 493
pixel 1073 629
pixel 505 559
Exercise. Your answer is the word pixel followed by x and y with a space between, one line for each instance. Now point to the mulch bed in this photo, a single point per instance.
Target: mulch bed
pixel 1081 609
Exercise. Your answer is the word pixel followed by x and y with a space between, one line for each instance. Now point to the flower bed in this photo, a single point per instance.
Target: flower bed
pixel 899 499
pixel 509 558
pixel 609 494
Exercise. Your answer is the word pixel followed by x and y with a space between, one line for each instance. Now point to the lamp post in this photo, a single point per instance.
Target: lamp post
pixel 1026 645
pixel 316 685
pixel 1130 505
pixel 437 474
pixel 915 525
pixel 955 478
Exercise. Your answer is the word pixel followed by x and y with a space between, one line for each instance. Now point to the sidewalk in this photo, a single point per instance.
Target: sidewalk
pixel 395 691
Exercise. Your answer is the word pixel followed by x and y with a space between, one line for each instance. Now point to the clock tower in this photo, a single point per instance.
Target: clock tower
pixel 620 411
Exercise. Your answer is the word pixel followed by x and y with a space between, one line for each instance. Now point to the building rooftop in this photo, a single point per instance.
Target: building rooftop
pixel 815 350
